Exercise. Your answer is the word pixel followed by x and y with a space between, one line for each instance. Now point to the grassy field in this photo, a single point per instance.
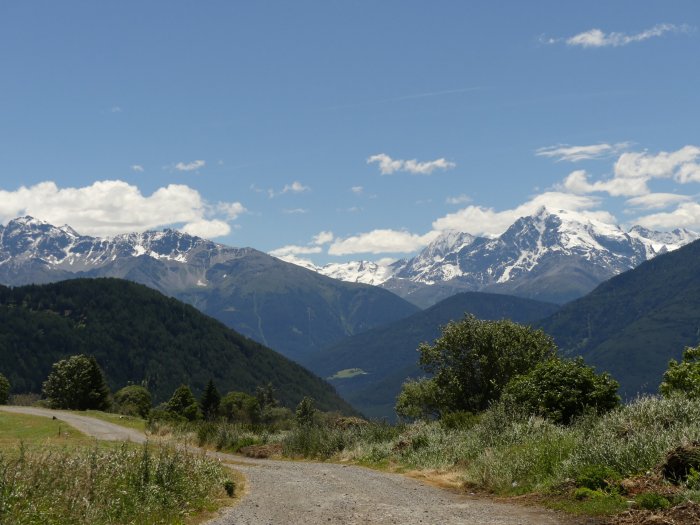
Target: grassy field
pixel 35 430
pixel 52 474
pixel 125 421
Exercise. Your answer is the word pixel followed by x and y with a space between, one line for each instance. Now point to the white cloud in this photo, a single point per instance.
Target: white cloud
pixel 137 168
pixel 111 207
pixel 381 241
pixel 290 252
pixel 686 215
pixel 598 38
pixel 357 190
pixel 207 229
pixel 231 210
pixel 323 237
pixel 577 182
pixel 459 199
pixel 387 165
pixel 115 109
pixel 653 201
pixel 294 187
pixel 682 165
pixel 293 249
pixel 565 152
pixel 190 166
pixel 480 220
pixel 295 211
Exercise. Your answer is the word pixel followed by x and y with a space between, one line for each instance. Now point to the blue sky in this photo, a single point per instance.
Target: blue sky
pixel 343 130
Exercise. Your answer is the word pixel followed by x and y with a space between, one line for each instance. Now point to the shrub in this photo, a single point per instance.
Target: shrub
pixel 239 406
pixel 133 400
pixel 652 501
pixel 183 404
pixel 230 487
pixel 684 377
pixel 473 360
pixel 562 389
pixel 305 415
pixel 596 477
pixel 584 493
pixel 418 399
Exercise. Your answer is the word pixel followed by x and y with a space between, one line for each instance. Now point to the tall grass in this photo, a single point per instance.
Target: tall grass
pixel 141 486
pixel 509 452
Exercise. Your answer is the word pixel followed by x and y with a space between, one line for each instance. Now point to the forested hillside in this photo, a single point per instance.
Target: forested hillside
pixel 388 355
pixel 139 335
pixel 634 323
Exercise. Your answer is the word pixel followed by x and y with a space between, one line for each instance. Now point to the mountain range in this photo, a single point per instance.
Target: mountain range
pixel 553 256
pixel 283 306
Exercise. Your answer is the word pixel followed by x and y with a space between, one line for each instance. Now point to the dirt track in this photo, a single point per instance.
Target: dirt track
pixel 291 493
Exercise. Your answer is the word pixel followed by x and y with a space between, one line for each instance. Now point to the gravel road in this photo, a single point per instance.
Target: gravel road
pixel 295 492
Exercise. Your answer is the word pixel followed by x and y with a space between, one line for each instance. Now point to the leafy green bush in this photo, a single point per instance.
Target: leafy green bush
pixel 652 501
pixel 230 487
pixel 184 404
pixel 473 360
pixel 583 493
pixel 597 477
pixel 305 415
pixel 562 389
pixel 684 377
pixel 133 400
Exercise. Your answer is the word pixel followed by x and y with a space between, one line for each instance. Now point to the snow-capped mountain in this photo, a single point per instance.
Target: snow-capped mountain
pixel 34 251
pixel 550 255
pixel 291 309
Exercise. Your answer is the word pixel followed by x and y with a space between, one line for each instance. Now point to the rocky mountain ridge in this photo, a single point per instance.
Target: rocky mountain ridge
pixel 550 255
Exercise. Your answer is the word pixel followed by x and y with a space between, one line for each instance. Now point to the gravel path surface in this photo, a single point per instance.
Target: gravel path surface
pixel 295 492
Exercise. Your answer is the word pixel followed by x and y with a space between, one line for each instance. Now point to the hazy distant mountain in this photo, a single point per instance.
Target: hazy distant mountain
pixel 551 255
pixel 138 335
pixel 632 324
pixel 288 308
pixel 375 364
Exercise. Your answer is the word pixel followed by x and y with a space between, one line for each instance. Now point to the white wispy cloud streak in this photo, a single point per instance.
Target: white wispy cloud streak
pixel 387 165
pixel 290 252
pixel 137 168
pixel 653 201
pixel 111 207
pixel 190 166
pixel 294 187
pixel 458 199
pixel 565 152
pixel 595 38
